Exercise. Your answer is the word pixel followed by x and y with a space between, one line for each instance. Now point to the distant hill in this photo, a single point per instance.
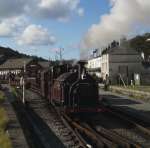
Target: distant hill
pixel 10 53
pixel 142 44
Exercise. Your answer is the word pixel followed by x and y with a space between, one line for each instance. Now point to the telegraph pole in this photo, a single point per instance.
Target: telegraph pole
pixel 56 55
pixel 23 82
pixel 59 53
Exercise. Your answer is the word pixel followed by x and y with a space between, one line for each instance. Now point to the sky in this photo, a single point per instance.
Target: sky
pixel 42 27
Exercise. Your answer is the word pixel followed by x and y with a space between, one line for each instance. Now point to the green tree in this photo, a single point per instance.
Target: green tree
pixel 142 44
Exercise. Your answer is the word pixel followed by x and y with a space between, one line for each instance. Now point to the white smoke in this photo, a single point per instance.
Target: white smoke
pixel 125 17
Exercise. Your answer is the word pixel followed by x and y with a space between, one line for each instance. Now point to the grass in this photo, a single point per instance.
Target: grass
pixel 133 95
pixel 3 119
pixel 139 88
pixel 4 138
pixel 2 97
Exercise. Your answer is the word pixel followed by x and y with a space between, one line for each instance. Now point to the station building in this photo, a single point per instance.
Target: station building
pixel 17 66
pixel 121 63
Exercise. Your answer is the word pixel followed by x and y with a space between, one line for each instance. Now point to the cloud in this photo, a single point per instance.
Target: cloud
pixel 80 12
pixel 35 35
pixel 10 8
pixel 54 9
pixel 6 29
pixel 123 18
pixel 16 16
pixel 57 9
pixel 10 27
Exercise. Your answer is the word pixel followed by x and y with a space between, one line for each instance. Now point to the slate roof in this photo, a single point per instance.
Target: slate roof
pixel 44 64
pixel 123 49
pixel 15 63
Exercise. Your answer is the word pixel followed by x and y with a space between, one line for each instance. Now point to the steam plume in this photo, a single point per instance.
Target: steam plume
pixel 125 17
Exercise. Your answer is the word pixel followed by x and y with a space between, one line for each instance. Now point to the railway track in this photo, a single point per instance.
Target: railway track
pixel 48 125
pixel 109 129
pixel 112 128
pixel 116 126
pixel 140 130
pixel 131 116
pixel 37 133
pixel 94 139
pixel 102 137
pixel 69 136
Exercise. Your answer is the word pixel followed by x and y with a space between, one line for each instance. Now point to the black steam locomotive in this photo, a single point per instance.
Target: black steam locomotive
pixel 72 89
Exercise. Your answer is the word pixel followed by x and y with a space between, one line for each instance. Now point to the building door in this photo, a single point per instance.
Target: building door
pixel 123 75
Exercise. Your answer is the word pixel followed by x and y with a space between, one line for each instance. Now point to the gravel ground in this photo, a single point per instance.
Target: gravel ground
pixel 53 121
pixel 122 128
pixel 132 106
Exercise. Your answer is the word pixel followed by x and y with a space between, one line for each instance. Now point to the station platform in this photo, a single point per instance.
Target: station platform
pixel 131 106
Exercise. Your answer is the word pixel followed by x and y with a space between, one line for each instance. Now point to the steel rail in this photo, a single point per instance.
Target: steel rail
pixel 97 139
pixel 125 118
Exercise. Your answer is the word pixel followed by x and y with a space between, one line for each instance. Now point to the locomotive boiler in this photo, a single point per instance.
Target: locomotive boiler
pixel 75 91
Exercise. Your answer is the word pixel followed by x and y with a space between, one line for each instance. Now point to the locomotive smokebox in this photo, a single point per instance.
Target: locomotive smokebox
pixel 81 69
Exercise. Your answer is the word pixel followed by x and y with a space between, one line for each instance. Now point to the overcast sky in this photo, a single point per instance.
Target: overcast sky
pixel 40 27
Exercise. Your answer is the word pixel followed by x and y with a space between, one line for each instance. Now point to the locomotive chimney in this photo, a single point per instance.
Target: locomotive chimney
pixel 81 69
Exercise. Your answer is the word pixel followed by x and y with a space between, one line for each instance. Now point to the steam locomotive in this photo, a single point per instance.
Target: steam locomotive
pixel 71 89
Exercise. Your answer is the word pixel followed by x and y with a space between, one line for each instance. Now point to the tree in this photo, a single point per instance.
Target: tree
pixel 142 44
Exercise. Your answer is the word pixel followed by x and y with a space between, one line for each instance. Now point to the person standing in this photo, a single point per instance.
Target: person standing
pixel 107 83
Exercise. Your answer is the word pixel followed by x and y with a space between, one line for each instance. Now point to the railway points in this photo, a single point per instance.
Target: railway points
pixel 51 122
pixel 98 131
pixel 107 133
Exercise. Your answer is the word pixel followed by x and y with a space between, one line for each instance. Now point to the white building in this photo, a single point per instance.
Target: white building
pixel 99 66
pixel 94 66
pixel 120 62
pixel 105 65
